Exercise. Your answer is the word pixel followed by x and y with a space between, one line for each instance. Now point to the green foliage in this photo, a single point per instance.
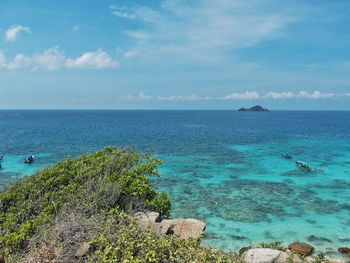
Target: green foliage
pixel 319 258
pixel 274 245
pixel 113 178
pixel 122 241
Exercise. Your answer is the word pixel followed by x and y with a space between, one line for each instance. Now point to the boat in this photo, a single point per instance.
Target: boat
pixel 1 157
pixel 29 159
pixel 303 165
pixel 286 155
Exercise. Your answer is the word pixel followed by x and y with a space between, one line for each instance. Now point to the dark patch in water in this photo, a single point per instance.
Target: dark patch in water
pixel 200 175
pixel 345 206
pixel 310 221
pixel 288 181
pixel 344 239
pixel 317 239
pixel 335 184
pixel 211 235
pixel 238 237
pixel 268 235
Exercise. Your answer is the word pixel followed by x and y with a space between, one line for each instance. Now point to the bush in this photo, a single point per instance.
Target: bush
pixel 113 178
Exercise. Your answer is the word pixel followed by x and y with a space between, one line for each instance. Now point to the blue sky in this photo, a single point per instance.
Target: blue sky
pixel 175 54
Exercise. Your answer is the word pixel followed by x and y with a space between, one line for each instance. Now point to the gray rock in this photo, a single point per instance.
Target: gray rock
pixel 183 228
pixel 148 220
pixel 268 255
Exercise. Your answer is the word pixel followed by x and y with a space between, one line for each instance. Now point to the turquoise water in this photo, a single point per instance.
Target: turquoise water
pixel 263 197
pixel 222 167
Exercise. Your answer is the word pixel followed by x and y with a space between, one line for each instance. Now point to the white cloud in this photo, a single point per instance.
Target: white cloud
pixel 315 95
pixel 92 60
pixel 123 14
pixel 51 59
pixel 75 28
pixel 143 13
pixel 204 30
pixel 248 95
pixel 54 59
pixel 139 97
pixel 12 33
pixel 19 61
pixel 280 95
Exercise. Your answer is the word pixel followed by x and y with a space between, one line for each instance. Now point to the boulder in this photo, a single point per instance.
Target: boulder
pixel 344 250
pixel 149 220
pixel 183 228
pixel 242 250
pixel 268 255
pixel 301 247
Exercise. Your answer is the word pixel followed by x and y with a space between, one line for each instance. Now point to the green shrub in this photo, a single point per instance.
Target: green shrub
pixel 274 245
pixel 122 241
pixel 91 183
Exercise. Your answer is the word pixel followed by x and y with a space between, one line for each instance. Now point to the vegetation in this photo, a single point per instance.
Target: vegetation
pixel 80 210
pixel 274 245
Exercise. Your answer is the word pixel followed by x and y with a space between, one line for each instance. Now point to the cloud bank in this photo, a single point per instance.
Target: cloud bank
pixel 247 95
pixel 139 97
pixel 55 59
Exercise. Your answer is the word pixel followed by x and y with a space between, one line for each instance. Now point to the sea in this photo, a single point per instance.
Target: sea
pixel 222 167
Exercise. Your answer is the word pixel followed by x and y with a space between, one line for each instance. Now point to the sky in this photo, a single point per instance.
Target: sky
pixel 175 54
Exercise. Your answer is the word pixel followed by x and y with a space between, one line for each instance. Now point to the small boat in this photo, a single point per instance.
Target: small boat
pixel 286 155
pixel 303 165
pixel 29 159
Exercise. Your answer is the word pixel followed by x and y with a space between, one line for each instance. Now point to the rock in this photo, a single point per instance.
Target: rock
pixel 183 228
pixel 344 250
pixel 82 250
pixel 242 250
pixel 254 108
pixel 149 220
pixel 267 255
pixel 301 247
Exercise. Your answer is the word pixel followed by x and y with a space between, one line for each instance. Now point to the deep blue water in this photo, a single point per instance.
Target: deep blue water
pixel 223 167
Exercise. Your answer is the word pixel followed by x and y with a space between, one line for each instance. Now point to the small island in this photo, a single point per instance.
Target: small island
pixel 254 108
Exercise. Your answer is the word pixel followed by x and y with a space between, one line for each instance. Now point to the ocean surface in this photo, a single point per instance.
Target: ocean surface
pixel 223 167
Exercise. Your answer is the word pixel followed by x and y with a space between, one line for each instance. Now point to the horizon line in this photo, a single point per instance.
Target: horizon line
pixel 146 109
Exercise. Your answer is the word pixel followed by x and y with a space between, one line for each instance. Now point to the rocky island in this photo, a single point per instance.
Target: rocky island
pixel 254 108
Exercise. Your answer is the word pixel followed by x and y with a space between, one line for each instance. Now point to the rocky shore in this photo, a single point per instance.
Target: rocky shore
pixel 297 252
